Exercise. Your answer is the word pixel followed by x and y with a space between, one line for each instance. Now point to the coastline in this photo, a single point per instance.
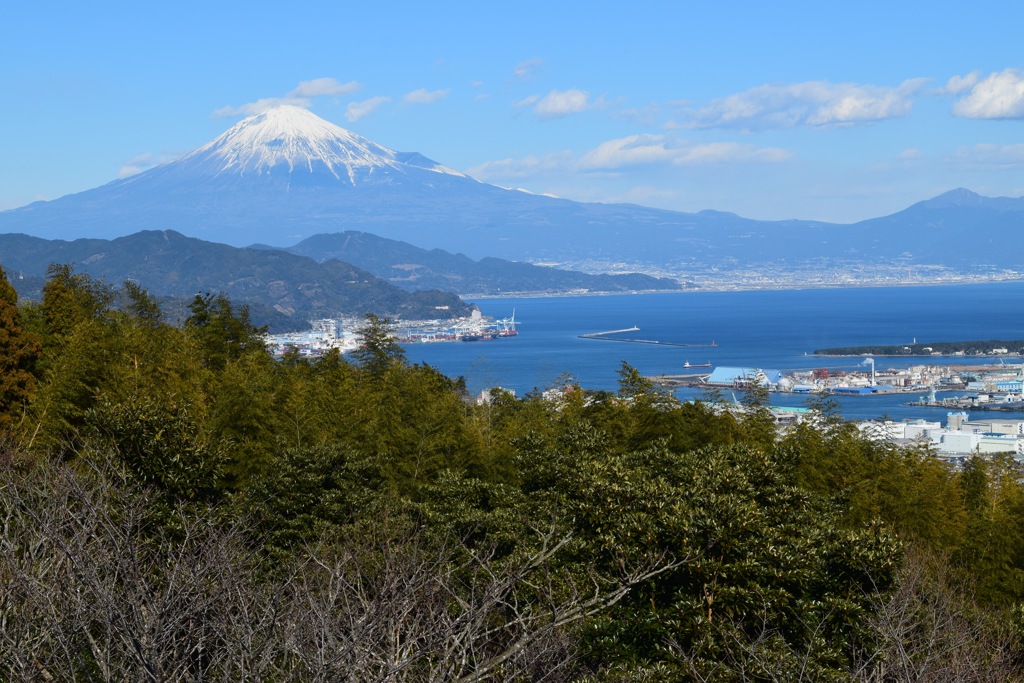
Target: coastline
pixel 749 287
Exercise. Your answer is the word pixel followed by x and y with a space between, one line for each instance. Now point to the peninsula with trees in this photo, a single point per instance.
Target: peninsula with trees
pixel 990 347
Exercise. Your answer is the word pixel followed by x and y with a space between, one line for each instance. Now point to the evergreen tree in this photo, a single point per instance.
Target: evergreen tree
pixel 224 332
pixel 18 352
pixel 378 349
pixel 70 299
pixel 80 351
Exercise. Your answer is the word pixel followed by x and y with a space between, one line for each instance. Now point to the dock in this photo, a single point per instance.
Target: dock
pixel 601 335
pixel 606 336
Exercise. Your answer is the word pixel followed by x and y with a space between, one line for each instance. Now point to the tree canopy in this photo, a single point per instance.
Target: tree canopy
pixel 177 505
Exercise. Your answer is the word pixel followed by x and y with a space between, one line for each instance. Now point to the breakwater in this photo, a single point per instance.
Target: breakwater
pixel 607 336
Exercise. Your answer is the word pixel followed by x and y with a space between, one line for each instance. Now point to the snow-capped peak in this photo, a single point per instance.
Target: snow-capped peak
pixel 295 138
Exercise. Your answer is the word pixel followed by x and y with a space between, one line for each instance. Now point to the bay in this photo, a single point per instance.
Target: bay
pixel 775 329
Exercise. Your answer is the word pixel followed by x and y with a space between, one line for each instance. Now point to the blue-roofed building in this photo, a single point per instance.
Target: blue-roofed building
pixel 852 391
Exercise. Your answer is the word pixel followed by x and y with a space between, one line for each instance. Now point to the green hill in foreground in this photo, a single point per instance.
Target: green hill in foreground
pixel 179 506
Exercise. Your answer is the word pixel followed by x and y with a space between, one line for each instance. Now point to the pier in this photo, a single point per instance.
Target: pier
pixel 602 335
pixel 605 336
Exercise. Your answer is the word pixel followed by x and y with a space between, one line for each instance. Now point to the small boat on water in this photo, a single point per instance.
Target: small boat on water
pixel 689 365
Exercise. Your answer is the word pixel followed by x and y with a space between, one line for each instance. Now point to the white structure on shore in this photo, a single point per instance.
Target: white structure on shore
pixel 961 436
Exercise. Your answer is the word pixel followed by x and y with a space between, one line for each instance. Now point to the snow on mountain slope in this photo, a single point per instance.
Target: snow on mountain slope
pixel 284 175
pixel 296 139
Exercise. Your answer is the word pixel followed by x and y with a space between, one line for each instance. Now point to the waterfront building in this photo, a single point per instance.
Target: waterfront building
pixel 739 378
pixel 960 436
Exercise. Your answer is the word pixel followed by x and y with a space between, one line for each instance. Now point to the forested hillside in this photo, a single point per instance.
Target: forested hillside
pixel 177 505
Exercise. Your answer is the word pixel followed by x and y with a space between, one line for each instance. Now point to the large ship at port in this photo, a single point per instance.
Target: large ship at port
pixel 476 328
pixel 506 327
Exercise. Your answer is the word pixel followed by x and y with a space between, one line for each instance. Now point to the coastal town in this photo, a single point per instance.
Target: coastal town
pixel 994 387
pixel 997 386
pixel 342 334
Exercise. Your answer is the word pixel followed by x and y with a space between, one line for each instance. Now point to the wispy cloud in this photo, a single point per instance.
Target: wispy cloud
pixel 301 95
pixel 324 86
pixel 525 69
pixel 636 150
pixel 1004 156
pixel 141 162
pixel 558 103
pixel 424 96
pixel 506 169
pixel 618 155
pixel 812 103
pixel 259 106
pixel 997 96
pixel 357 110
pixel 957 84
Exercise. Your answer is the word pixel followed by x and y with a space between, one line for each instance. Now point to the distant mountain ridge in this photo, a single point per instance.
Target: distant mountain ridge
pixel 959 228
pixel 169 264
pixel 416 269
pixel 285 175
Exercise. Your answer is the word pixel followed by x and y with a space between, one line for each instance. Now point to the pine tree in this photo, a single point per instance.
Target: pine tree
pixel 378 349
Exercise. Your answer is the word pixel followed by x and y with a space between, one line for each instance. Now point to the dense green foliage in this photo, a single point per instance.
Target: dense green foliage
pixel 176 505
pixel 18 353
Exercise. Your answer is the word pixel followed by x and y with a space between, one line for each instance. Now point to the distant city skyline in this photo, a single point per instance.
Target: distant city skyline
pixel 794 111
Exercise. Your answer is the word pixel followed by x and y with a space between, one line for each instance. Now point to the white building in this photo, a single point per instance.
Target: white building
pixel 960 436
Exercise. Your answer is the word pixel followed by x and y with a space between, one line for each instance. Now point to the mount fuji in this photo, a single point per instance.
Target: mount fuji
pixel 286 175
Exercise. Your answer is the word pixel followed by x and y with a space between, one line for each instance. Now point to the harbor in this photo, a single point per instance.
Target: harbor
pixel 476 328
pixel 342 334
pixel 976 387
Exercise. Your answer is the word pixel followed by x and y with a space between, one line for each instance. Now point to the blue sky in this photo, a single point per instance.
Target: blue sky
pixel 804 110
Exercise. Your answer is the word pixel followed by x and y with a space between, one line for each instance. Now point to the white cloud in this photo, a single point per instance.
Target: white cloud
pixel 957 84
pixel 997 96
pixel 505 169
pixel 300 96
pixel 323 86
pixel 615 155
pixel 129 170
pixel 629 151
pixel 558 103
pixel 659 149
pixel 814 103
pixel 526 68
pixel 260 106
pixel 424 96
pixel 358 110
pixel 142 162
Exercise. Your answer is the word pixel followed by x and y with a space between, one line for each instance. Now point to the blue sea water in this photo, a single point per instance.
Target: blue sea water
pixel 766 329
